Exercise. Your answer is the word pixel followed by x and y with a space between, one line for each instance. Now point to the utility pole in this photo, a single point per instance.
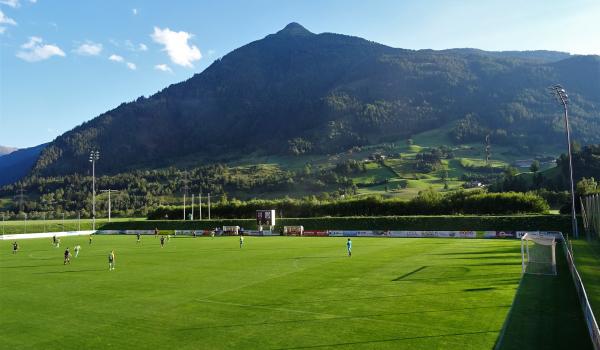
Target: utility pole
pixel 562 97
pixel 185 189
pixel 21 202
pixel 192 207
pixel 109 191
pixel 94 156
pixel 208 205
pixel 200 205
pixel 488 149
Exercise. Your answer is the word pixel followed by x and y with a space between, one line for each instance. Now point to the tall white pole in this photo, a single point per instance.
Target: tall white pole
pixel 573 215
pixel 192 207
pixel 200 205
pixel 563 98
pixel 184 206
pixel 208 205
pixel 109 205
pixel 78 221
pixel 93 194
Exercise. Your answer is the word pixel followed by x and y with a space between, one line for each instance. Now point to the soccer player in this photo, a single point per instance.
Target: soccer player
pixel 67 257
pixel 241 241
pixel 349 247
pixel 111 260
pixel 138 237
pixel 90 242
pixel 54 240
pixel 15 247
pixel 77 248
pixel 155 232
pixel 162 241
pixel 58 243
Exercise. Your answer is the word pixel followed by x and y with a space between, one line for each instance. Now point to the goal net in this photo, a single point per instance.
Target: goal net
pixel 538 254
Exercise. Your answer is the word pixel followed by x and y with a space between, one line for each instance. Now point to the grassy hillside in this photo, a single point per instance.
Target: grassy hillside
pixel 391 169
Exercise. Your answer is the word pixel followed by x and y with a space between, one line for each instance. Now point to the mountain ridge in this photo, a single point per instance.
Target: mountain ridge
pixel 300 92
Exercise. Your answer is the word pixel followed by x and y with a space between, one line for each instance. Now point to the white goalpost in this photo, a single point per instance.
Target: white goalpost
pixel 538 254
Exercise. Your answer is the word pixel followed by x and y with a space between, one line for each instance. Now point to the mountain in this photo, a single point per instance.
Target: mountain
pixel 296 92
pixel 6 150
pixel 17 164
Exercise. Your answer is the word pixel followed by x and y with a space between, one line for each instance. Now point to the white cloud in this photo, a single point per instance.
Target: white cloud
pixel 116 58
pixel 142 47
pixel 6 20
pixel 89 48
pixel 163 67
pixel 120 59
pixel 11 3
pixel 134 11
pixel 33 1
pixel 177 47
pixel 2 30
pixel 34 50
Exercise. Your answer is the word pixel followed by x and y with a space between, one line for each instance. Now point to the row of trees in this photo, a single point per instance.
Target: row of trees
pixel 428 202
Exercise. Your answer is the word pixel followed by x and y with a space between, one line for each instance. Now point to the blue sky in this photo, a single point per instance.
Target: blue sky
pixel 64 62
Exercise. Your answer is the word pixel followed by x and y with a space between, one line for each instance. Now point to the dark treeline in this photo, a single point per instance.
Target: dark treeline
pixel 426 203
pixel 139 190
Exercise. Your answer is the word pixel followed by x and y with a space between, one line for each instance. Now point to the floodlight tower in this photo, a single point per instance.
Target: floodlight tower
pixel 94 156
pixel 561 96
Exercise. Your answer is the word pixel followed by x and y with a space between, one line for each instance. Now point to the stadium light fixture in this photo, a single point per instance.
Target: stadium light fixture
pixel 94 157
pixel 561 96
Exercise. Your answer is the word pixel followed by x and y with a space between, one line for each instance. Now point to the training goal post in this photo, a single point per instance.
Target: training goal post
pixel 538 254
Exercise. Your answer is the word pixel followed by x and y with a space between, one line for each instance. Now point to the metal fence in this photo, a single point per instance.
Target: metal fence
pixel 588 313
pixel 590 212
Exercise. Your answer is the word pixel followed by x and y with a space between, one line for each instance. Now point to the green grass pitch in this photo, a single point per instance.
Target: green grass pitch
pixel 274 293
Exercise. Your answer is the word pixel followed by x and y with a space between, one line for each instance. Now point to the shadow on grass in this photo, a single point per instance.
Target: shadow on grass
pixel 546 313
pixel 410 273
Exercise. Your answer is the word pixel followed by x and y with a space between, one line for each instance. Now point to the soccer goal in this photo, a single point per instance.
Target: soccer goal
pixel 538 254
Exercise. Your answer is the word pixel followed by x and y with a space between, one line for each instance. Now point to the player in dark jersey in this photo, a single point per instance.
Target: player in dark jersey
pixel 138 237
pixel 162 241
pixel 15 247
pixel 67 257
pixel 111 260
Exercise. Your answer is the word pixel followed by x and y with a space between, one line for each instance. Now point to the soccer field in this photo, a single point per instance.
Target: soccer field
pixel 274 293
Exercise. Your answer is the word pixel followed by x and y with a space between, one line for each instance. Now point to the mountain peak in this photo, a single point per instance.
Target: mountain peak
pixel 294 29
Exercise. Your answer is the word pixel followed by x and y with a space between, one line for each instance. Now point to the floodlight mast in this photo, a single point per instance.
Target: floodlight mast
pixel 94 156
pixel 561 96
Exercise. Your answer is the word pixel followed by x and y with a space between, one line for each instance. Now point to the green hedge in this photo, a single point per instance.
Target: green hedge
pixel 433 223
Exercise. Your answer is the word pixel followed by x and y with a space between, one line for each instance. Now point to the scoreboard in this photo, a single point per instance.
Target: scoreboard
pixel 265 217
